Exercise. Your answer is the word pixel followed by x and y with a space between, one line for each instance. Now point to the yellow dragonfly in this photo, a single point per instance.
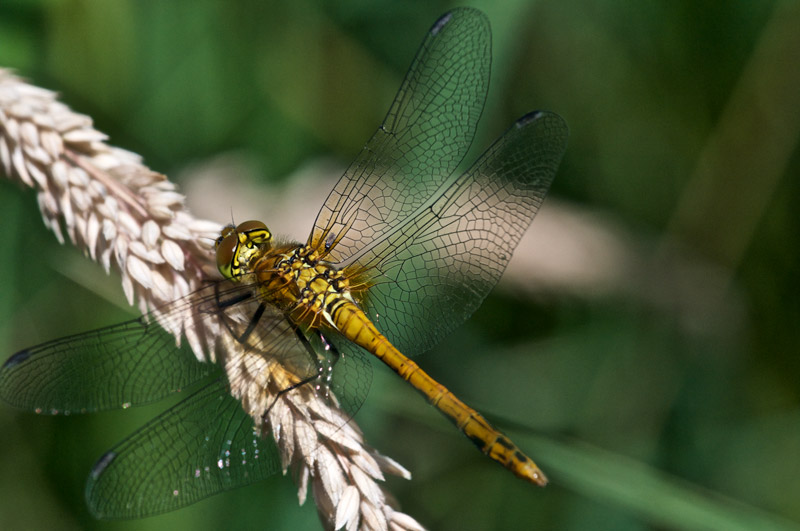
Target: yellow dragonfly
pixel 402 252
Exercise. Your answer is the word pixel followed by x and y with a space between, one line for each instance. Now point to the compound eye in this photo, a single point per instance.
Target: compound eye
pixel 226 252
pixel 256 232
pixel 227 229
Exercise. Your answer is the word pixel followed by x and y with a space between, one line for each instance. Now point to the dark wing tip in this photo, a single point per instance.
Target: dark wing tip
pixel 16 359
pixel 459 12
pixel 102 463
pixel 92 501
pixel 526 119
pixel 442 22
pixel 552 120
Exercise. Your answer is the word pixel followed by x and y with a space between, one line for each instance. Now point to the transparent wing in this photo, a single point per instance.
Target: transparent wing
pixel 349 377
pixel 207 444
pixel 137 362
pixel 131 363
pixel 432 271
pixel 425 135
pixel 204 445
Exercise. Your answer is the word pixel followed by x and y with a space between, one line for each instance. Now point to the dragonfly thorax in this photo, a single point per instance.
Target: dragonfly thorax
pixel 295 279
pixel 290 277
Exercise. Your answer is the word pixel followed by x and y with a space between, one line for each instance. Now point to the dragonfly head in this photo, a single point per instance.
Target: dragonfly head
pixel 236 246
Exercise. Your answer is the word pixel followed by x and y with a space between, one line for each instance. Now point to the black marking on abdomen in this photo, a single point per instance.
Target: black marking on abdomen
pixel 334 306
pixel 477 441
pixel 506 443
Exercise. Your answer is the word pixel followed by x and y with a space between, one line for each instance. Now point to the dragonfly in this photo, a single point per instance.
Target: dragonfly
pixel 403 250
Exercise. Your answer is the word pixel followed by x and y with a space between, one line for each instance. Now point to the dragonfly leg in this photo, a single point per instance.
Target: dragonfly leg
pixel 252 324
pixel 222 304
pixel 314 358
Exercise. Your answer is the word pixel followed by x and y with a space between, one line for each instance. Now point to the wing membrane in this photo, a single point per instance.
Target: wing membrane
pixel 433 271
pixel 350 376
pixel 425 135
pixel 137 362
pixel 132 363
pixel 202 446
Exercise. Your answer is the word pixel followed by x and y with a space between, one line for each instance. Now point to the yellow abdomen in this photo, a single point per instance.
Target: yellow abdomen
pixel 354 325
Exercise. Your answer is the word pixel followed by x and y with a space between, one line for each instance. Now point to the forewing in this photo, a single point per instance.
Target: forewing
pixel 131 363
pixel 433 271
pixel 425 135
pixel 204 445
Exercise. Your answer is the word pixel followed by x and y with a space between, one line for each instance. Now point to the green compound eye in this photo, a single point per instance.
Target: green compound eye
pixel 227 229
pixel 235 246
pixel 227 245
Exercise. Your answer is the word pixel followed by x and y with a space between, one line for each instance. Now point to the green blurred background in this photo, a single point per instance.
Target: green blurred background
pixel 645 350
